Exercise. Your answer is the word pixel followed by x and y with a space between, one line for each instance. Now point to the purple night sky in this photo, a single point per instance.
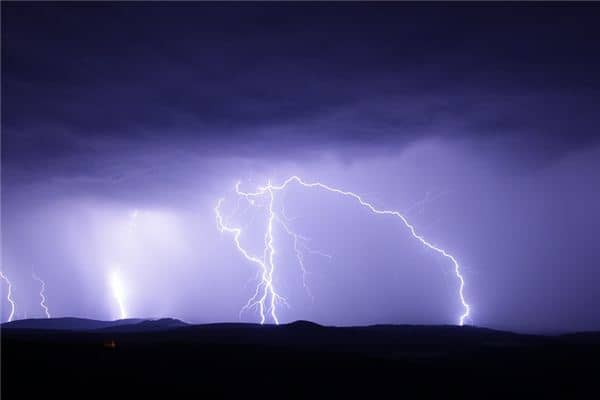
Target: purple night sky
pixel 124 123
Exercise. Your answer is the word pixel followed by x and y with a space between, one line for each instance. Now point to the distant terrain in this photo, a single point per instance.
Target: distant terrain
pixel 141 358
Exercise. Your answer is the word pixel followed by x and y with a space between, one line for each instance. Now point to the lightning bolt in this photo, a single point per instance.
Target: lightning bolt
pixel 118 293
pixel 9 297
pixel 42 296
pixel 265 297
pixel 265 291
pixel 114 277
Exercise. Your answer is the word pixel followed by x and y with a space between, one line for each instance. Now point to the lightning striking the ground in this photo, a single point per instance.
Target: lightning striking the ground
pixel 266 297
pixel 9 297
pixel 265 288
pixel 42 294
pixel 118 292
pixel 115 276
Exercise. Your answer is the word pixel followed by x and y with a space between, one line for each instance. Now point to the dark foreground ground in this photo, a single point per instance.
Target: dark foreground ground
pixel 148 359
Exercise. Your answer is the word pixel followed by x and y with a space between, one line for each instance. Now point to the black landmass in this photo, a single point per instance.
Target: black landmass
pixel 167 358
pixel 68 323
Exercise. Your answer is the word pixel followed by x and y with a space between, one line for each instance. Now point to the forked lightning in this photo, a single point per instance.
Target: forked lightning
pixel 266 297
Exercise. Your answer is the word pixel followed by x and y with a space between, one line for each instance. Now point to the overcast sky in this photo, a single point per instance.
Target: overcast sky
pixel 480 123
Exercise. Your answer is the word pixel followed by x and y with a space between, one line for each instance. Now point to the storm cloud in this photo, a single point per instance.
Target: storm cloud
pixel 493 109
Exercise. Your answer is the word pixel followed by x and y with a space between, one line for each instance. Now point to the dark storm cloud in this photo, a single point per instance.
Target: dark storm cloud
pixel 86 80
pixel 113 108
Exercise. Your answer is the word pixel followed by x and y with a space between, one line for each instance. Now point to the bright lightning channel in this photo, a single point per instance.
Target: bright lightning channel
pixel 266 296
pixel 118 292
pixel 115 281
pixel 9 297
pixel 42 294
pixel 265 288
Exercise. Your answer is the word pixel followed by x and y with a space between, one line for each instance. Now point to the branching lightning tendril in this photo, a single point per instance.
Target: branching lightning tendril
pixel 9 297
pixel 266 297
pixel 42 295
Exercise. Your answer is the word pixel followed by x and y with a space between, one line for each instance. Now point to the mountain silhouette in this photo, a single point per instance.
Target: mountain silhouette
pixel 84 324
pixel 148 358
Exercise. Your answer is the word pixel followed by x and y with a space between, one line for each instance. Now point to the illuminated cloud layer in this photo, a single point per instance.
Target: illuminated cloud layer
pixel 485 141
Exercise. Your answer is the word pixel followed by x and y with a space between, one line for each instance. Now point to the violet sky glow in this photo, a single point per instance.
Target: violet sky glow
pixel 489 113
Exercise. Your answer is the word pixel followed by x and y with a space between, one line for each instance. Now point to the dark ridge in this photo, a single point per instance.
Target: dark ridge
pixel 171 359
pixel 303 324
pixel 67 323
pixel 581 337
pixel 148 325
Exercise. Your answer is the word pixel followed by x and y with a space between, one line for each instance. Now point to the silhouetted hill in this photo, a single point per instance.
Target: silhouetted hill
pixel 67 323
pixel 147 325
pixel 148 358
